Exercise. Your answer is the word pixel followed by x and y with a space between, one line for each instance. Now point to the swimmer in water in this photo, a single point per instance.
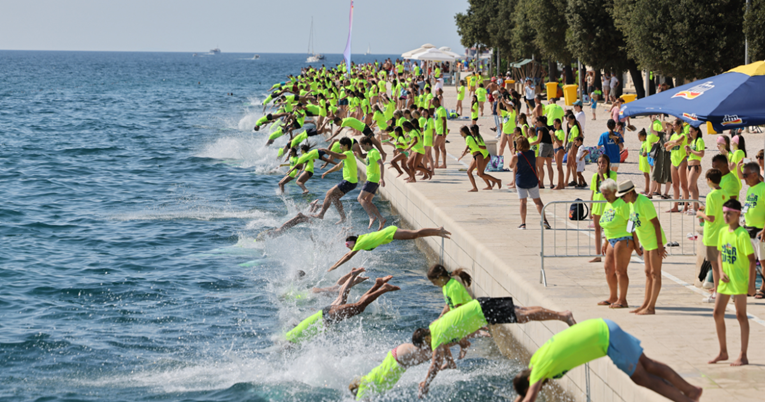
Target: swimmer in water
pixel 340 310
pixel 370 241
pixel 298 219
pixel 339 284
pixel 307 161
pixel 469 318
pixel 385 376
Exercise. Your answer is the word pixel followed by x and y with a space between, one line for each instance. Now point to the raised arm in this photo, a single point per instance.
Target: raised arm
pixel 435 367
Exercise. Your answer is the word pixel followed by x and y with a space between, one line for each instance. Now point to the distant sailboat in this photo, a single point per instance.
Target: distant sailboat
pixel 368 51
pixel 313 57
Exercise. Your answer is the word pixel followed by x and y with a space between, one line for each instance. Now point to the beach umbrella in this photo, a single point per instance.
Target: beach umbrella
pixel 432 55
pixel 730 100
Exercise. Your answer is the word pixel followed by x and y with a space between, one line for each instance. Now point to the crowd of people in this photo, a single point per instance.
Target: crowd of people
pixel 401 107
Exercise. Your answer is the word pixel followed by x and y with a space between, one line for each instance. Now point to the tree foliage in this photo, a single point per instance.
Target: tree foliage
pixel 548 18
pixel 754 28
pixel 522 42
pixel 683 38
pixel 594 38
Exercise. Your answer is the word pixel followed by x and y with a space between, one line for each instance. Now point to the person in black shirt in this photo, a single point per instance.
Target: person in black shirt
pixel 544 139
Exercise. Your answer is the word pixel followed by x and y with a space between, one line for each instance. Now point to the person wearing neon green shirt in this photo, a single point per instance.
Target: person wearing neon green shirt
pixel 553 111
pixel 441 132
pixel 729 182
pixel 739 153
pixel 467 319
pixel 360 126
pixel 293 158
pixel 679 158
pixel 737 280
pixel 307 160
pixel 645 223
pixel 614 220
pixel 480 95
pixel 266 119
pixel 414 163
pixel 754 216
pixel 375 178
pixel 428 130
pixel 455 294
pixel 340 309
pixel 385 376
pixel 350 178
pixel 474 109
pixel 370 241
pixel 460 97
pixel 712 215
pixel 590 340
pixel 695 148
pixel 475 145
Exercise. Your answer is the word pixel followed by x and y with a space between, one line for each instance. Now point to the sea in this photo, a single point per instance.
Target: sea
pixel 132 192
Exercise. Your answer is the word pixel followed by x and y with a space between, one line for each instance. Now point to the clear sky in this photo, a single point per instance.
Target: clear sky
pixel 250 26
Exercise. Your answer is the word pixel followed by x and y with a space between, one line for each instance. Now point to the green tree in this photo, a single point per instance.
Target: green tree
pixel 548 19
pixel 754 21
pixel 594 39
pixel 523 33
pixel 683 38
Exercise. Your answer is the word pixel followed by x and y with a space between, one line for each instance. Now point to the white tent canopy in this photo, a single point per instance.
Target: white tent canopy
pixel 448 51
pixel 409 54
pixel 432 54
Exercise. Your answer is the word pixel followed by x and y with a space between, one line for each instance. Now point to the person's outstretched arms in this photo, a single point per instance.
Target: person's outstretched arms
pixel 343 260
pixel 435 367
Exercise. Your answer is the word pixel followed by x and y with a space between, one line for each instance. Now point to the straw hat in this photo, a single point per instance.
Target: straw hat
pixel 624 188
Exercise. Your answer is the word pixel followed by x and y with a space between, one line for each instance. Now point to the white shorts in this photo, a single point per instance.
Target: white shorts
pixel 580 166
pixel 759 249
pixel 532 193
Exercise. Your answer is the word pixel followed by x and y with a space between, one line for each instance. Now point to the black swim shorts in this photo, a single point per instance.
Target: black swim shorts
pixel 498 310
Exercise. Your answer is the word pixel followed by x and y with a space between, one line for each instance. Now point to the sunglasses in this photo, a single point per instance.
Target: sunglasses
pixel 759 156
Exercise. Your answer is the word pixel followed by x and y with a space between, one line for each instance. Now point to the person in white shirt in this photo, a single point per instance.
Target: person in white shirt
pixel 530 94
pixel 614 85
pixel 579 114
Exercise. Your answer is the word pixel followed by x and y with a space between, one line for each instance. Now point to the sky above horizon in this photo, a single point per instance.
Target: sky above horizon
pixel 387 27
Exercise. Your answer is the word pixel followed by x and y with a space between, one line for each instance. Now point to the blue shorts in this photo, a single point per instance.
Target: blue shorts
pixel 613 242
pixel 342 102
pixel 623 348
pixel 345 186
pixel 321 153
pixel 370 187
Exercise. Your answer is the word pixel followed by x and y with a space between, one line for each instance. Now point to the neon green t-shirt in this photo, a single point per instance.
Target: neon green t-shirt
pixel 715 200
pixel 457 324
pixel 572 347
pixel 474 111
pixel 298 139
pixel 373 168
pixel 553 112
pixel 473 145
pixel 380 119
pixel 560 135
pixel 614 219
pixel 419 146
pixel 455 294
pixel 735 248
pixel 381 379
pixel 307 160
pixel 731 185
pixel 353 123
pixel 480 93
pixel 461 92
pixel 677 153
pixel 440 124
pixel 643 164
pixel 738 155
pixel 754 206
pixel 307 329
pixel 350 174
pixel 597 209
pixel 642 212
pixel 697 145
pixel 573 133
pixel 370 241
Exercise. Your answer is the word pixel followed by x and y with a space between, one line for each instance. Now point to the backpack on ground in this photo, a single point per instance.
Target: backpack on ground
pixel 496 163
pixel 578 211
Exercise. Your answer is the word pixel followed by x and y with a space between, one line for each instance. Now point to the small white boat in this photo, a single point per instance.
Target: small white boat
pixel 313 57
pixel 256 57
pixel 368 51
pixel 215 51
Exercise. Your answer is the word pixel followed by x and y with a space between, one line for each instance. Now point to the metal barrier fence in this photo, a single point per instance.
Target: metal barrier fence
pixel 673 224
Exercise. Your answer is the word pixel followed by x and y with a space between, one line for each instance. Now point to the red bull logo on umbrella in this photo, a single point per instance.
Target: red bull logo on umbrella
pixel 691 116
pixel 731 119
pixel 694 92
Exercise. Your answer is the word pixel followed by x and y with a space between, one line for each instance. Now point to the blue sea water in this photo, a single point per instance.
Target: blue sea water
pixel 132 189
